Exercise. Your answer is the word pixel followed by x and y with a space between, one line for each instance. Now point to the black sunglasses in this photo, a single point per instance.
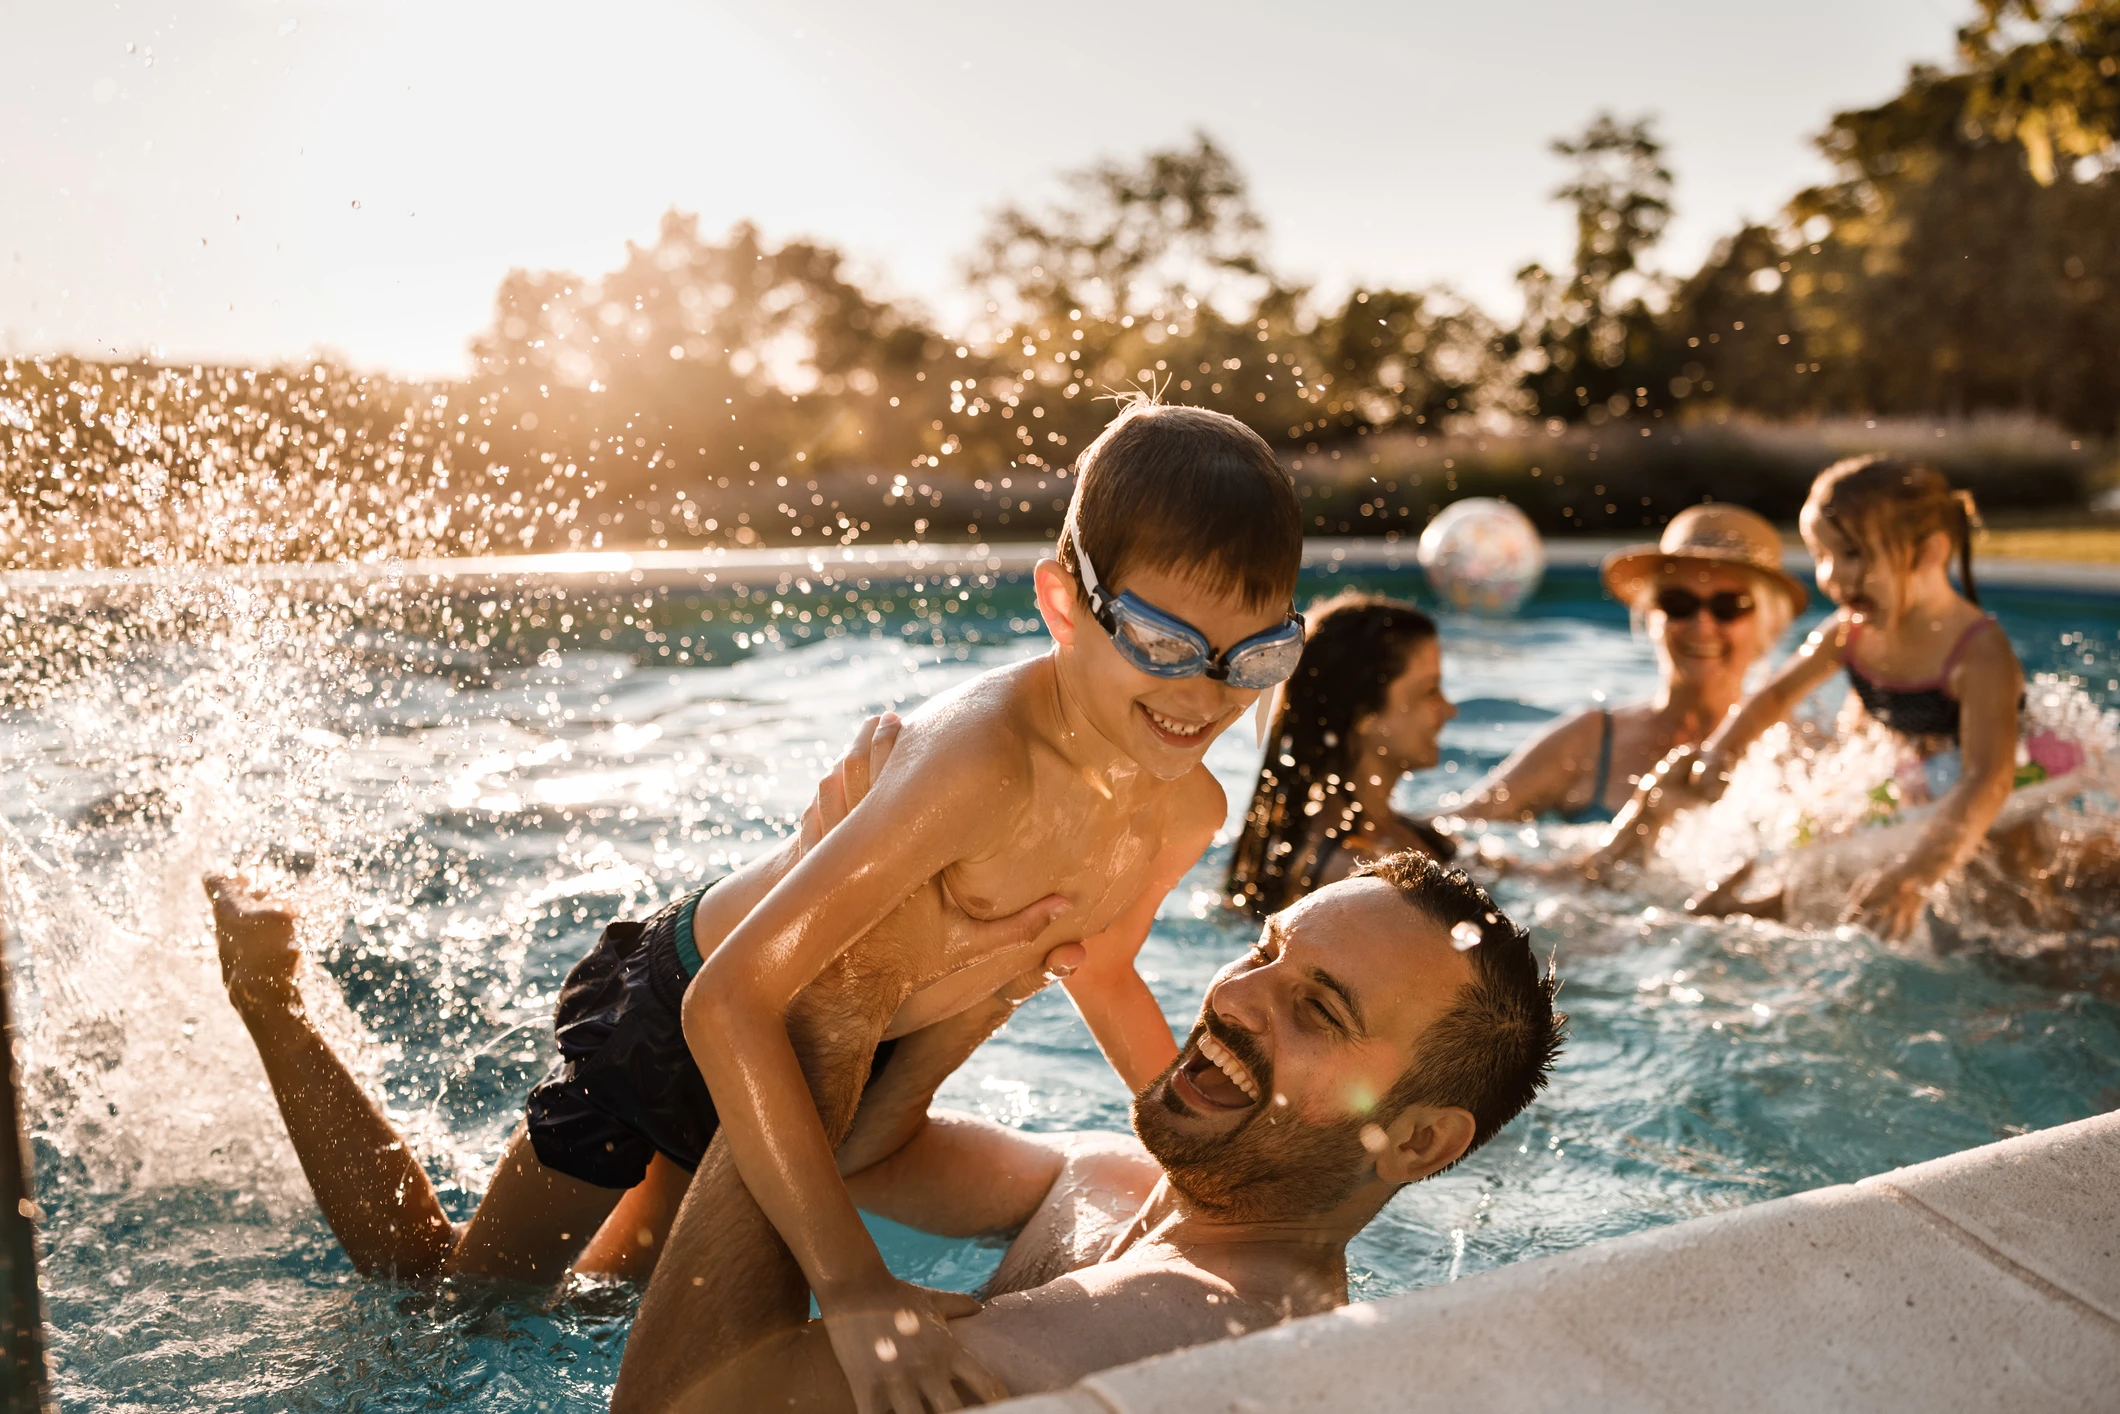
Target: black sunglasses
pixel 1728 606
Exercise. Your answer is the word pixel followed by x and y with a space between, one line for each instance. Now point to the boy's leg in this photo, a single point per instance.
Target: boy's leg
pixel 372 1189
pixel 634 1235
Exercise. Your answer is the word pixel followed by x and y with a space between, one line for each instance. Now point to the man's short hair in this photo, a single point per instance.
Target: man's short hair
pixel 1492 1051
pixel 1190 491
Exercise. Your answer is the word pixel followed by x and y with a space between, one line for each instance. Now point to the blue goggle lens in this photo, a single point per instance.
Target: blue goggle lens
pixel 1165 647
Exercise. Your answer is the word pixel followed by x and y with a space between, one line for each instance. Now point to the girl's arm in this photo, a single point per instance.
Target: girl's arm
pixel 1539 775
pixel 1694 776
pixel 924 814
pixel 1116 1005
pixel 1988 683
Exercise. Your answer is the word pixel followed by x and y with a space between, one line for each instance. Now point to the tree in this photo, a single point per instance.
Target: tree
pixel 1590 347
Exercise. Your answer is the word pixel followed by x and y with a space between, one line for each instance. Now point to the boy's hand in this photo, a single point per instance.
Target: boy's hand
pixel 898 1354
pixel 1889 902
pixel 844 786
pixel 256 936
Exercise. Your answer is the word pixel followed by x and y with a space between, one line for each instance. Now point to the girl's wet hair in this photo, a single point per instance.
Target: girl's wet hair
pixel 1359 644
pixel 1888 507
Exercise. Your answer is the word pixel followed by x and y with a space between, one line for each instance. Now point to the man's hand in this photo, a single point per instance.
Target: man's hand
pixel 968 939
pixel 1890 902
pixel 844 786
pixel 896 1350
pixel 257 942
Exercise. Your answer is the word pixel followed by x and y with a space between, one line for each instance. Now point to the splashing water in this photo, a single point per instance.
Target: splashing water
pixel 460 781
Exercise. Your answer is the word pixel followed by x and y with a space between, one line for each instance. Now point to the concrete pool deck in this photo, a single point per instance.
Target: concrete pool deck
pixel 1986 1279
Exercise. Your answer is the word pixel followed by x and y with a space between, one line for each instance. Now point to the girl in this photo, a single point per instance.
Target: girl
pixel 1924 661
pixel 1363 708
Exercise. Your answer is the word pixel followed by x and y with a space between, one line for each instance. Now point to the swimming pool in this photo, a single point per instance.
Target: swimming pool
pixel 473 784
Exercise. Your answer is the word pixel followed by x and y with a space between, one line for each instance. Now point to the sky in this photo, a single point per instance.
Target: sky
pixel 260 180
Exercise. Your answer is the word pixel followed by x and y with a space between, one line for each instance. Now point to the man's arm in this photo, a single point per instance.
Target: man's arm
pixel 1038 1340
pixel 961 1176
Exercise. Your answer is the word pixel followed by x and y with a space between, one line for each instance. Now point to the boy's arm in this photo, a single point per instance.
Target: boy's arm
pixel 1989 683
pixel 926 813
pixel 1120 1011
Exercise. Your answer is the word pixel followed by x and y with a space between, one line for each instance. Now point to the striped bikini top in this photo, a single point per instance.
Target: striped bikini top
pixel 1912 708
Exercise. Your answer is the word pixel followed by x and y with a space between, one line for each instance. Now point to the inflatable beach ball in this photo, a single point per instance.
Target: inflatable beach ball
pixel 1482 556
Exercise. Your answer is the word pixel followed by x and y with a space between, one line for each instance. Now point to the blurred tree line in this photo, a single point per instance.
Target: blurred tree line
pixel 1964 262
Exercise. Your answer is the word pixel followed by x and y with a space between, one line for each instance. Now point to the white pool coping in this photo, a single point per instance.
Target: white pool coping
pixel 1988 1279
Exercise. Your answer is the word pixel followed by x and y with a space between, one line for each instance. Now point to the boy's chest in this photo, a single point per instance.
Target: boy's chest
pixel 1096 853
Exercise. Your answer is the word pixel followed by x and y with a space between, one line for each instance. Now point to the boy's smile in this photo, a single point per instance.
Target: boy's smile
pixel 1172 721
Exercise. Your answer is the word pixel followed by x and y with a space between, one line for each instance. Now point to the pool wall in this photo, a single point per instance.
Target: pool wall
pixel 1983 1280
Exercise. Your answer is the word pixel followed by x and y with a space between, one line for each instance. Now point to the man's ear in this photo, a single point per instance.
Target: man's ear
pixel 1059 600
pixel 1420 1141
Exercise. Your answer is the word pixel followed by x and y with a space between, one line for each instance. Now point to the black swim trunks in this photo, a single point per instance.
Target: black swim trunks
pixel 625 1085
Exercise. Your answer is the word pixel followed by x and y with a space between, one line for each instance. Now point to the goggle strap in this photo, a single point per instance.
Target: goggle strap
pixel 1091 590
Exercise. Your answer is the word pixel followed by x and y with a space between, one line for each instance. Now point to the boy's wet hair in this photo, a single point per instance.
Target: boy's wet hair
pixel 1494 1049
pixel 1192 492
pixel 1888 507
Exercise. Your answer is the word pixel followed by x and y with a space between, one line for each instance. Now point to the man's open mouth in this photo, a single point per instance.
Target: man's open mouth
pixel 1213 1079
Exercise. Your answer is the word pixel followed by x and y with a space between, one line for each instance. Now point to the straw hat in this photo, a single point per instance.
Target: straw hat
pixel 1710 534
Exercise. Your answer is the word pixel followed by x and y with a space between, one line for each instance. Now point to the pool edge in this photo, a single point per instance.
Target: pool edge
pixel 1985 1276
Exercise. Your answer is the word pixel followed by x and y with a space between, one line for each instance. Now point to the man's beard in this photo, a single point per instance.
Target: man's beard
pixel 1272 1166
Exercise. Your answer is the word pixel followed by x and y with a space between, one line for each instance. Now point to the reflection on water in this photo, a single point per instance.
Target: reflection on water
pixel 461 794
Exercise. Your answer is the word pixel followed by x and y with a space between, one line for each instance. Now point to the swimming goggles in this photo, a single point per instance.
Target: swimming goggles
pixel 1728 606
pixel 1165 646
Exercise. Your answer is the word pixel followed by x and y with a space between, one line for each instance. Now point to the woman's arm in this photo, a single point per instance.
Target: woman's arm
pixel 1988 683
pixel 1541 773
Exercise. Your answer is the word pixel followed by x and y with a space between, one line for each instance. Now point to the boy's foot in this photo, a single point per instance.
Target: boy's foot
pixel 256 936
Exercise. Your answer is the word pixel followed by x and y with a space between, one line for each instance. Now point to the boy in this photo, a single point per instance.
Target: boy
pixel 1071 783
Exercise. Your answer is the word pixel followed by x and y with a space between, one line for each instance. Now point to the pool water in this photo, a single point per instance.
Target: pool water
pixel 463 790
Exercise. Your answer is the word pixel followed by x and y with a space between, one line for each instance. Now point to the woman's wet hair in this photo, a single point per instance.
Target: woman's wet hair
pixel 1494 1049
pixel 1192 492
pixel 1358 646
pixel 1889 507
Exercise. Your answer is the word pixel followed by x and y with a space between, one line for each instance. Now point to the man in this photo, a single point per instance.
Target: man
pixel 1381 1029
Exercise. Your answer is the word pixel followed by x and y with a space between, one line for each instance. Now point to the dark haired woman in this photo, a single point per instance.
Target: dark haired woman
pixel 1364 708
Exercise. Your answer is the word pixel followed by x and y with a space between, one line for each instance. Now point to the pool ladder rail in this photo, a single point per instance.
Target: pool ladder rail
pixel 25 1378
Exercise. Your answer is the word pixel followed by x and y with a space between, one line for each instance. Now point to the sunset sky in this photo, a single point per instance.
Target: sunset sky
pixel 254 180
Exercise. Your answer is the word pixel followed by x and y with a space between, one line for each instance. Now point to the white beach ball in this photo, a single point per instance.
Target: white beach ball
pixel 1482 555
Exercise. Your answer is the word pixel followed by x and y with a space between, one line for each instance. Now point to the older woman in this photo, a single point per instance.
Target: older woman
pixel 1714 597
pixel 1363 708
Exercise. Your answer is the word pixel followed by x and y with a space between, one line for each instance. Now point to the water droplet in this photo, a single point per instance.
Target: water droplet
pixel 1466 936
